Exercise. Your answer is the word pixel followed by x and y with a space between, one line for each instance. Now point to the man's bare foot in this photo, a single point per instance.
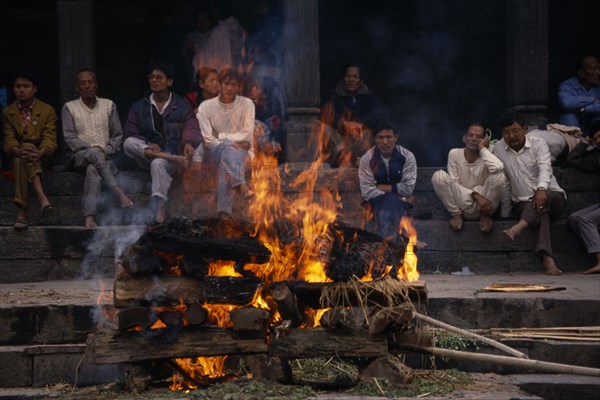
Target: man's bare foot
pixel 456 222
pixel 549 266
pixel 485 223
pixel 245 191
pixel 593 270
pixel 123 199
pixel 90 222
pixel 514 231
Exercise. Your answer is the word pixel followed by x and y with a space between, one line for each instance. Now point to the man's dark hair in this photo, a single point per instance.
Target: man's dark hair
pixel 28 75
pixel 381 125
pixel 361 68
pixel 510 118
pixel 582 59
pixel 228 74
pixel 166 67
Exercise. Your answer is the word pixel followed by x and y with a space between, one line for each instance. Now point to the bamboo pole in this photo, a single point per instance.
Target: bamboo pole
pixel 471 335
pixel 506 361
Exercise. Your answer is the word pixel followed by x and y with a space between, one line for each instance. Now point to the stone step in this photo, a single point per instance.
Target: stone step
pixel 44 365
pixel 66 252
pixel 64 190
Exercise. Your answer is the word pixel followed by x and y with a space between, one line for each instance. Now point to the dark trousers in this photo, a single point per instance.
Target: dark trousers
pixel 540 221
pixel 388 209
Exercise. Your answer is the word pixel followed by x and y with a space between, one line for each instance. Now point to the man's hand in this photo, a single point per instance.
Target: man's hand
pixel 540 199
pixel 412 200
pixel 154 147
pixel 484 143
pixel 484 203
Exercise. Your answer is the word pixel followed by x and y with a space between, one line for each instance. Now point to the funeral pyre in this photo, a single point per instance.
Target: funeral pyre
pixel 295 282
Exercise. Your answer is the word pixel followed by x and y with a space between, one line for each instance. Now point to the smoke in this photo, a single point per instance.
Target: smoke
pixel 437 65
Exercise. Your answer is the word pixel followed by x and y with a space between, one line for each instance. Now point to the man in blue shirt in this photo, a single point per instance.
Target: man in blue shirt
pixel 579 96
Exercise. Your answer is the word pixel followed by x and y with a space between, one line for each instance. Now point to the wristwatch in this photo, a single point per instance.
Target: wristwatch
pixel 543 189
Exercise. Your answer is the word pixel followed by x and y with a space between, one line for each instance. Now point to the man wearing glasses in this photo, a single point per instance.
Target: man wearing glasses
pixel 161 134
pixel 579 96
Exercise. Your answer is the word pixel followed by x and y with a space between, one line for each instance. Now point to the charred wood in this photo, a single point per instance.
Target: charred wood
pixel 393 319
pixel 169 290
pixel 287 304
pixel 352 319
pixel 131 317
pixel 109 347
pixel 194 314
pixel 309 343
pixel 249 319
pixel 139 259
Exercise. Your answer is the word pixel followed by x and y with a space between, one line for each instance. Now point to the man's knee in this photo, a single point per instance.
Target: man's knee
pixel 440 178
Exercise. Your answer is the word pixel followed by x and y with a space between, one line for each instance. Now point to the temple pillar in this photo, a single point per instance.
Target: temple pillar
pixel 76 42
pixel 302 79
pixel 527 59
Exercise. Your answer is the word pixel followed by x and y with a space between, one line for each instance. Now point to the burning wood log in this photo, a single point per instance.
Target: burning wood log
pixel 108 347
pixel 383 292
pixel 169 290
pixel 287 304
pixel 317 342
pixel 214 239
pixel 132 317
pixel 249 319
pixel 194 314
pixel 138 258
pixel 354 252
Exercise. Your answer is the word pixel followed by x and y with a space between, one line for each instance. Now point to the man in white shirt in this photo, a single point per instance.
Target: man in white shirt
pixel 227 126
pixel 534 192
pixel 473 184
pixel 92 131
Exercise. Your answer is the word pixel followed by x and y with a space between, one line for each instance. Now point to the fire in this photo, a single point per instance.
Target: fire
pixel 409 272
pixel 199 369
pixel 222 268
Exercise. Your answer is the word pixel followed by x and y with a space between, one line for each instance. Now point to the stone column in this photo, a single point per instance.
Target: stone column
pixel 302 79
pixel 527 58
pixel 76 42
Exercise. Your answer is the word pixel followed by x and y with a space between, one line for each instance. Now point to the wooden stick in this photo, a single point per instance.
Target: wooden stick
pixel 471 335
pixel 507 361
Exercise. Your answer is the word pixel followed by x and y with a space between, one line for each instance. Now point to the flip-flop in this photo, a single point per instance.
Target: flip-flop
pixel 47 209
pixel 21 224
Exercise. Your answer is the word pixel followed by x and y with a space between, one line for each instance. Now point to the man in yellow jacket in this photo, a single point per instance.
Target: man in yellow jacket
pixel 29 127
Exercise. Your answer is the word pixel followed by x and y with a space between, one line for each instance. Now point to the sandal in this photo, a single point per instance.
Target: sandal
pixel 21 224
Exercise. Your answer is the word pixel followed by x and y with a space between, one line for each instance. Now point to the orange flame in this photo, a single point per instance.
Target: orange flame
pixel 200 369
pixel 409 272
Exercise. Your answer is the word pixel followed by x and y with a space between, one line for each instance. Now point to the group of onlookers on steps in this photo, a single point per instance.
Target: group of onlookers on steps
pixel 164 132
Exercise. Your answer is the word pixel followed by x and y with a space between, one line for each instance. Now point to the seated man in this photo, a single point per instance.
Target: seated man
pixel 161 134
pixel 227 125
pixel 92 131
pixel 474 184
pixel 534 191
pixel 387 175
pixel 586 224
pixel 355 107
pixel 586 155
pixel 579 96
pixel 29 127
